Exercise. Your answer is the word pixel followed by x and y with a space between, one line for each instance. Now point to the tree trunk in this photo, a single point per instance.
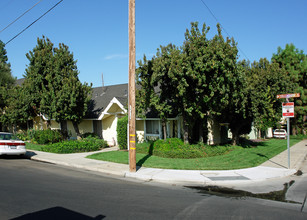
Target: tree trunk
pixel 76 127
pixel 185 132
pixel 294 130
pixel 235 136
pixel 259 133
pixel 201 130
pixel 64 131
pixel 164 129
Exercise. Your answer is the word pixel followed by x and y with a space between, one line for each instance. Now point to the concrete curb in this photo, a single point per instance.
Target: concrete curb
pixel 272 169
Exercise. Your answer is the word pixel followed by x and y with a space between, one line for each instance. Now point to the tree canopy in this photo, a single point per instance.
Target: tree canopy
pixel 6 80
pixel 294 61
pixel 197 80
pixel 52 81
pixel 203 79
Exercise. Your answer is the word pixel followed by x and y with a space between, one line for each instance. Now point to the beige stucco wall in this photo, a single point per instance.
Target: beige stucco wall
pixel 139 127
pixel 39 123
pixel 214 132
pixel 71 130
pixel 114 108
pixel 109 125
pixel 86 126
pixel 55 125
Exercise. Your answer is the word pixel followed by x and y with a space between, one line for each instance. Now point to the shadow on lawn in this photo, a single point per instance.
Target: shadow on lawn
pixel 246 143
pixel 142 161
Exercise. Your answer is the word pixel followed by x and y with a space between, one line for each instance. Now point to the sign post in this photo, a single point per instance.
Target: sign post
pixel 288 112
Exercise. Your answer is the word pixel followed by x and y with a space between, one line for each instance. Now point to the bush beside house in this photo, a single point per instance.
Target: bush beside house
pixel 76 146
pixel 122 129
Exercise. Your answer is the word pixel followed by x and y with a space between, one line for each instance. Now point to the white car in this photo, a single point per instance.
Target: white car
pixel 11 145
pixel 280 133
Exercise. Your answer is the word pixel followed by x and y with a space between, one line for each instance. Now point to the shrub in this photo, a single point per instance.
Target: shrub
pixel 76 146
pixel 121 129
pixel 45 136
pixel 175 148
pixel 89 134
pixel 22 136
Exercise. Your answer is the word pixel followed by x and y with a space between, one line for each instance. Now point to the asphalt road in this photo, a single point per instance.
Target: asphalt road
pixel 34 190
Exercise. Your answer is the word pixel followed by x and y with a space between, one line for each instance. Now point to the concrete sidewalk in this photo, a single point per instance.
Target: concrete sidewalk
pixel 271 170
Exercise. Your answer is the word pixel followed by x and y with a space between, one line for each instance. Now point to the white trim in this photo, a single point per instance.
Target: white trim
pixel 113 101
pixel 153 119
pixel 44 117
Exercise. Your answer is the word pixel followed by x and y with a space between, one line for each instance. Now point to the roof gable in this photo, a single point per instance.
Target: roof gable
pixel 102 97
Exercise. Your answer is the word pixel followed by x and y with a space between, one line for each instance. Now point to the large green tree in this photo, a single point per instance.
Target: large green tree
pixel 265 81
pixel 198 79
pixel 294 61
pixel 6 78
pixel 217 82
pixel 52 80
pixel 16 111
pixel 157 85
pixel 37 74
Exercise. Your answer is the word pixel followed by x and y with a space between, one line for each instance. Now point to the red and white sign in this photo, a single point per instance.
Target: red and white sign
pixel 288 109
pixel 287 96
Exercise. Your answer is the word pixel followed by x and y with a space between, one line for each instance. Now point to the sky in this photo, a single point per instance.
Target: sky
pixel 96 31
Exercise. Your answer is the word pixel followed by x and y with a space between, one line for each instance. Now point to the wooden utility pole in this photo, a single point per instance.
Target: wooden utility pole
pixel 131 104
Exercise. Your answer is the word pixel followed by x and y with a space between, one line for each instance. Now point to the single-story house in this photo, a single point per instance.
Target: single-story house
pixel 108 104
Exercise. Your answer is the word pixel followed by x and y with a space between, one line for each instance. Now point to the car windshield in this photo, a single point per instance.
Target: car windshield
pixel 279 130
pixel 8 136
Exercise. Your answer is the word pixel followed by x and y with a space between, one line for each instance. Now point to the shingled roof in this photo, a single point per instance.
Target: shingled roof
pixel 20 81
pixel 101 97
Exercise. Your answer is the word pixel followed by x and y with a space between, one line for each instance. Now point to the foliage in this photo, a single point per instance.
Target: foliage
pixel 175 148
pixel 266 80
pixel 52 81
pixel 294 61
pixel 44 136
pixel 6 77
pixel 76 146
pixel 121 129
pixel 89 134
pixel 31 146
pixel 223 89
pixel 6 83
pixel 199 78
pixel 16 111
pixel 158 84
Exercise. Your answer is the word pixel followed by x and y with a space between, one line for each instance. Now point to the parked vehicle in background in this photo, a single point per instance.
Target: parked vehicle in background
pixel 11 145
pixel 280 133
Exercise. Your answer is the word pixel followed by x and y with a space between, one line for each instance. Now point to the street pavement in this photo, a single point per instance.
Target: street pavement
pixel 269 176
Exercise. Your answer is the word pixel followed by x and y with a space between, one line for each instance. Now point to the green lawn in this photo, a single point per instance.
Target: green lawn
pixel 242 157
pixel 31 146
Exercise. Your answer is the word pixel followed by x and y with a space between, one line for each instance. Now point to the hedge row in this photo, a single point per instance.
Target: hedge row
pixel 175 148
pixel 41 136
pixel 76 146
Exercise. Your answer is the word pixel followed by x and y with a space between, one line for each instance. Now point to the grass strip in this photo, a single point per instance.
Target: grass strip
pixel 242 157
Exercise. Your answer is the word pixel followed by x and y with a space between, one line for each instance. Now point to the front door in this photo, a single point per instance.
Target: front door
pixel 97 125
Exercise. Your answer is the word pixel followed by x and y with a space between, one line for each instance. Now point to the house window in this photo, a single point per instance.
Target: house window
pixel 152 127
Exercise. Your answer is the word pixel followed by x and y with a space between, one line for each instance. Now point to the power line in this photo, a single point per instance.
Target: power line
pixel 222 27
pixel 34 22
pixel 20 16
